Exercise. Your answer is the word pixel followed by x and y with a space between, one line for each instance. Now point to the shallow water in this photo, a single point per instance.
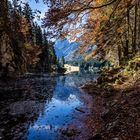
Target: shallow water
pixel 40 107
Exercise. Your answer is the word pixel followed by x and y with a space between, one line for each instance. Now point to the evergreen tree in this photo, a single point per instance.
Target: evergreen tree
pixel 46 52
pixel 10 9
pixel 63 61
pixel 38 35
pixel 27 13
pixel 52 54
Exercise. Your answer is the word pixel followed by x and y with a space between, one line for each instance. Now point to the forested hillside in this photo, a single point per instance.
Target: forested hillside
pixel 23 45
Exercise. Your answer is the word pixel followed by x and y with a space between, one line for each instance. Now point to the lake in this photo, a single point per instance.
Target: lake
pixel 44 107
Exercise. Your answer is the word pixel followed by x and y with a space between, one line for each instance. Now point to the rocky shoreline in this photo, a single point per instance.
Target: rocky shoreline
pixel 116 109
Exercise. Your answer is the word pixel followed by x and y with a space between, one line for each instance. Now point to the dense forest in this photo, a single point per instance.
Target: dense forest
pixel 24 46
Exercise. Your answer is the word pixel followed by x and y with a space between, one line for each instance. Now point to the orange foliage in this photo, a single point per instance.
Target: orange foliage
pixel 91 54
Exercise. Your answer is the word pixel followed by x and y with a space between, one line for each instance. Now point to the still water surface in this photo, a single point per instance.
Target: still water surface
pixel 40 107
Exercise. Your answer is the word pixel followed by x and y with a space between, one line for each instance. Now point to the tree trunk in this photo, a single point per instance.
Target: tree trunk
pixel 119 54
pixel 139 28
pixel 135 30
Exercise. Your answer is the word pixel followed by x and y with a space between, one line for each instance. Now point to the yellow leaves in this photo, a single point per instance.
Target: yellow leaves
pixel 99 2
pixel 109 10
pixel 120 30
pixel 105 17
pixel 28 46
pixel 91 54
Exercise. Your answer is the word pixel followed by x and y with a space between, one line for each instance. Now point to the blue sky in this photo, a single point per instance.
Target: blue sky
pixel 39 6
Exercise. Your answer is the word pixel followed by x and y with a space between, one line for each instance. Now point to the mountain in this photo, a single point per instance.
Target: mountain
pixel 71 51
pixel 82 54
pixel 64 47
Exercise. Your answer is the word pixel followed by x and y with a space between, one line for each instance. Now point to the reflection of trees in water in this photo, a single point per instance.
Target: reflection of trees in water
pixel 81 77
pixel 62 80
pixel 23 104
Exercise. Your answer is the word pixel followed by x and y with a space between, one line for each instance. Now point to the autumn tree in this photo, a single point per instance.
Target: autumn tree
pixel 21 40
pixel 107 23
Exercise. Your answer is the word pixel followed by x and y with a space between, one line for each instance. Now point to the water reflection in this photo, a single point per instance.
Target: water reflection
pixel 39 106
pixel 22 103
pixel 57 113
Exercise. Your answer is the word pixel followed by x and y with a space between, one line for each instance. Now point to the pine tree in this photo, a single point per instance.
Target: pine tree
pixel 38 35
pixel 27 13
pixel 63 61
pixel 46 52
pixel 52 54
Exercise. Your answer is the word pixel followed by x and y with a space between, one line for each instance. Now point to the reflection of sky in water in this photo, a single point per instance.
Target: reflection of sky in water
pixel 57 113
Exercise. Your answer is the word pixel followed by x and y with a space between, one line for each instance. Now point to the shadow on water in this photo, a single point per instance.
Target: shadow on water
pixel 21 102
pixel 39 106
